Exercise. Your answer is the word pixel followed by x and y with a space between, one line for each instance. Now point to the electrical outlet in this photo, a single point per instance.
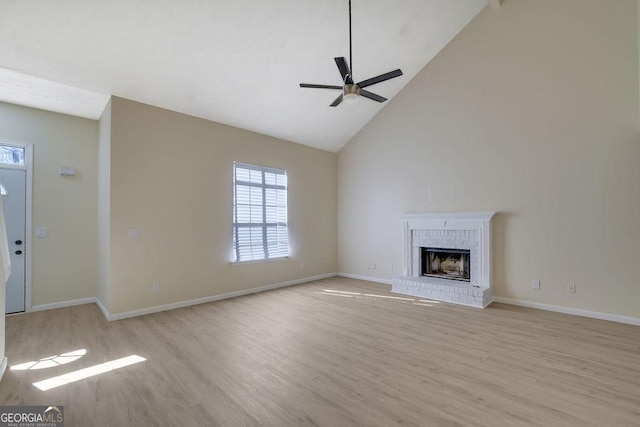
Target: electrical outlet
pixel 155 287
pixel 301 266
pixel 535 284
pixel 372 266
pixel 571 288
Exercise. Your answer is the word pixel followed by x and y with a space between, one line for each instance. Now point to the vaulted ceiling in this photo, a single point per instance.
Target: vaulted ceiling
pixel 233 62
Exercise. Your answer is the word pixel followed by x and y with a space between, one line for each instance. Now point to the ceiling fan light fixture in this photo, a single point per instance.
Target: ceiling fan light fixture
pixel 351 90
pixel 351 93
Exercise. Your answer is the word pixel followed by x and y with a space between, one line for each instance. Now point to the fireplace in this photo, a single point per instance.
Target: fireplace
pixel 445 263
pixel 447 257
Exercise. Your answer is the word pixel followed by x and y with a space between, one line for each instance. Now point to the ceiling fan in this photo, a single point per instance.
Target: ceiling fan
pixel 350 90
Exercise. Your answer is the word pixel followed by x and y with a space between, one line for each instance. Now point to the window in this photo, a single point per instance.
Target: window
pixel 259 213
pixel 11 155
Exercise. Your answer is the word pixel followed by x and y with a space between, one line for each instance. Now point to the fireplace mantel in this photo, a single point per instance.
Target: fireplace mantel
pixel 459 230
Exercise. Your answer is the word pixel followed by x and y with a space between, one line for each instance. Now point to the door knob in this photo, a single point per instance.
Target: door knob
pixel 18 252
pixel 18 242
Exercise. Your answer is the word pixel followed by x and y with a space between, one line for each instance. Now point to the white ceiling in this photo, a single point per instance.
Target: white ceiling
pixel 234 62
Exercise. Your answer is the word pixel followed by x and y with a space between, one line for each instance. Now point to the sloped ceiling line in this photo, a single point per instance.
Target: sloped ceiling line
pixel 230 62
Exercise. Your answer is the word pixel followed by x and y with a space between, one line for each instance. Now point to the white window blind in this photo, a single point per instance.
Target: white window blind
pixel 259 212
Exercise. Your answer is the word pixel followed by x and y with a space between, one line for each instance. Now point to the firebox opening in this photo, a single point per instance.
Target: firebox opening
pixel 446 263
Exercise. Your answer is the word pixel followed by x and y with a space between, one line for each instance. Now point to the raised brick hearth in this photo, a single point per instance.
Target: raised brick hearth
pixel 468 231
pixel 446 290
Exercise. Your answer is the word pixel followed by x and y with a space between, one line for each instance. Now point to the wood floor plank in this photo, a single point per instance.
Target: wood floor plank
pixel 335 352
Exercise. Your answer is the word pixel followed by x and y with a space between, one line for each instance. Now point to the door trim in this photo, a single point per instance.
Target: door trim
pixel 28 167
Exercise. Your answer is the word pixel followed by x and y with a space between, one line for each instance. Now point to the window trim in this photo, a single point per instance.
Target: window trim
pixel 261 261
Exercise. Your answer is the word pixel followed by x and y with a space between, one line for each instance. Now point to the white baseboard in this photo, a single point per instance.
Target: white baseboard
pixel 3 367
pixel 547 307
pixel 181 304
pixel 568 310
pixel 63 304
pixel 103 309
pixel 165 307
pixel 367 278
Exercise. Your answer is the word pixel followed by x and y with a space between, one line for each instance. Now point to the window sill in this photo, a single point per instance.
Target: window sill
pixel 260 261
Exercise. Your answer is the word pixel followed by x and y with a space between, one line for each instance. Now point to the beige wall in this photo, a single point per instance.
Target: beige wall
pixel 104 189
pixel 532 110
pixel 64 264
pixel 171 176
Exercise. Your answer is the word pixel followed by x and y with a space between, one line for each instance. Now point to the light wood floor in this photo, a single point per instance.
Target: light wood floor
pixel 306 356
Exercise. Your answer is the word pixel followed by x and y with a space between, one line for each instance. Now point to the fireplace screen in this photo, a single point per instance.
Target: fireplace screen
pixel 446 263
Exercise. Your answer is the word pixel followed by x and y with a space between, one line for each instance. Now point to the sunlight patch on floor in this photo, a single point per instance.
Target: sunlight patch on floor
pixel 91 371
pixel 51 361
pixel 336 295
pixel 342 292
pixel 361 295
pixel 388 297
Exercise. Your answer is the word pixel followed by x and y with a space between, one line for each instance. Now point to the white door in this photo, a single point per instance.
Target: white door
pixel 13 186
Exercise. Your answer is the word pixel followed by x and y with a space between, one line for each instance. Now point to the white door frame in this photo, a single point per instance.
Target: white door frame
pixel 28 166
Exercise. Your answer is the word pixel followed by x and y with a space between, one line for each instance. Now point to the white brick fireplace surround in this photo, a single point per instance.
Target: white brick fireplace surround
pixel 462 230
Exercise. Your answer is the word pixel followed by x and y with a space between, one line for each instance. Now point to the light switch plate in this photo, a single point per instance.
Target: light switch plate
pixel 67 171
pixel 42 232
